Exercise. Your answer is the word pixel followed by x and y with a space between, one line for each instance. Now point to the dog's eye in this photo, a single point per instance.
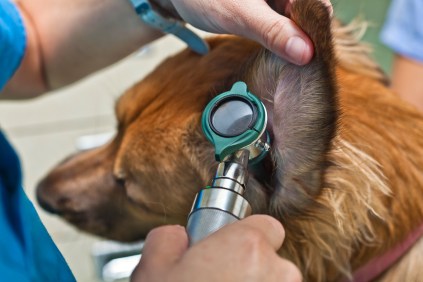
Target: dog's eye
pixel 120 181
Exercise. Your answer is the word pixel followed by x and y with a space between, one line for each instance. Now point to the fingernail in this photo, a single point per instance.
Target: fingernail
pixel 297 50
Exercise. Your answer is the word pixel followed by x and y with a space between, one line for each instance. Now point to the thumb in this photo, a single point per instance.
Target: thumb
pixel 275 32
pixel 163 247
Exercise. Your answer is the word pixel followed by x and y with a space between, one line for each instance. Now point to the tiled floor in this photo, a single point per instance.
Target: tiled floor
pixel 45 130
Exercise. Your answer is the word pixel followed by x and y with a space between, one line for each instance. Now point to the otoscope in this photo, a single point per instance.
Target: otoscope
pixel 235 123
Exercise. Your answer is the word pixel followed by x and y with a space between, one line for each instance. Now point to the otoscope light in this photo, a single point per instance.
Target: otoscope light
pixel 232 116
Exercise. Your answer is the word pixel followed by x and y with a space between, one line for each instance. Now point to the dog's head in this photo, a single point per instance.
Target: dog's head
pixel 159 159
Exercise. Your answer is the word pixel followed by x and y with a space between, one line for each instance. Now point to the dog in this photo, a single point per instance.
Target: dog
pixel 343 175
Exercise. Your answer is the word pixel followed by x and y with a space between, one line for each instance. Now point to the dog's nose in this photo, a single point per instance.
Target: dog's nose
pixel 45 197
pixel 46 205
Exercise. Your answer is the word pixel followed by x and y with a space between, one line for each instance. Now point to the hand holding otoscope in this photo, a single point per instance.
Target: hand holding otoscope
pixel 235 123
pixel 245 250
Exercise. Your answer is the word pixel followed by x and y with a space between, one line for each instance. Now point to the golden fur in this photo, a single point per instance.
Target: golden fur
pixel 346 184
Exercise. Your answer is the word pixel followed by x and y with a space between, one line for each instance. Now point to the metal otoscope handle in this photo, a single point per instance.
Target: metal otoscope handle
pixel 222 203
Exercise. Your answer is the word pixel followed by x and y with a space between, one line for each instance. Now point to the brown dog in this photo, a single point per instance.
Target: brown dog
pixel 343 175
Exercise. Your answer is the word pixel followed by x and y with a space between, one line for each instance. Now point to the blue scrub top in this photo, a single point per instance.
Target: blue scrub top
pixel 403 28
pixel 27 253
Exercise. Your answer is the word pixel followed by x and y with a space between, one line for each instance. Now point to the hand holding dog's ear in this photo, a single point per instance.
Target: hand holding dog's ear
pixel 243 251
pixel 254 19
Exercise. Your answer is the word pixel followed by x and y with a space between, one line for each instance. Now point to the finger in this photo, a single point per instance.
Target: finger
pixel 271 228
pixel 274 31
pixel 164 246
pixel 262 226
pixel 287 271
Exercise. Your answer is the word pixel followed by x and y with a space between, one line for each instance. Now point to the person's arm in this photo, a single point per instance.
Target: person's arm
pixel 242 251
pixel 407 80
pixel 67 40
pixel 402 32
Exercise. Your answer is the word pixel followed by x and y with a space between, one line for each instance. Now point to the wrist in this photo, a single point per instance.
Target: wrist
pixel 154 18
pixel 166 8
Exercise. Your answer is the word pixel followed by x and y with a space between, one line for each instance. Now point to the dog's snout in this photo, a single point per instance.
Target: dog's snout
pixel 47 198
pixel 46 205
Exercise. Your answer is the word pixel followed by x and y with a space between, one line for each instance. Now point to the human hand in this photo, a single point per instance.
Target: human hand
pixel 242 251
pixel 254 19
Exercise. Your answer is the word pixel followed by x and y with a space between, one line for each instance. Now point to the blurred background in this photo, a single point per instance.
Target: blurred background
pixel 47 129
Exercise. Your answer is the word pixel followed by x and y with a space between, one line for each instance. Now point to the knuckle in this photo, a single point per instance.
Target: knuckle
pixel 229 18
pixel 162 231
pixel 291 272
pixel 295 275
pixel 254 239
pixel 271 32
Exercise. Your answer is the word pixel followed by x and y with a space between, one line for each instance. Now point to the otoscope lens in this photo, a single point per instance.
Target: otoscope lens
pixel 232 117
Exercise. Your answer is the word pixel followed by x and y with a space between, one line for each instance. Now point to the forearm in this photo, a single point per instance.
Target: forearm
pixel 407 81
pixel 68 40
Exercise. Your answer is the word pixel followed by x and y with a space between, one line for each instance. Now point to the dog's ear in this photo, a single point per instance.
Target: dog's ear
pixel 302 107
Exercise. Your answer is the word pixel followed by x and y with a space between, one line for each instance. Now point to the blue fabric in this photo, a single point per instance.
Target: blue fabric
pixel 27 253
pixel 12 40
pixel 403 29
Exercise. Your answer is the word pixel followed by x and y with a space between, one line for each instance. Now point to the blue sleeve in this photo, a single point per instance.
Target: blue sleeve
pixel 403 29
pixel 27 252
pixel 12 40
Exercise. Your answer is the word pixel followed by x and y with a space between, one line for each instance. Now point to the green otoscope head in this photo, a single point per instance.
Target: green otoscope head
pixel 234 120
